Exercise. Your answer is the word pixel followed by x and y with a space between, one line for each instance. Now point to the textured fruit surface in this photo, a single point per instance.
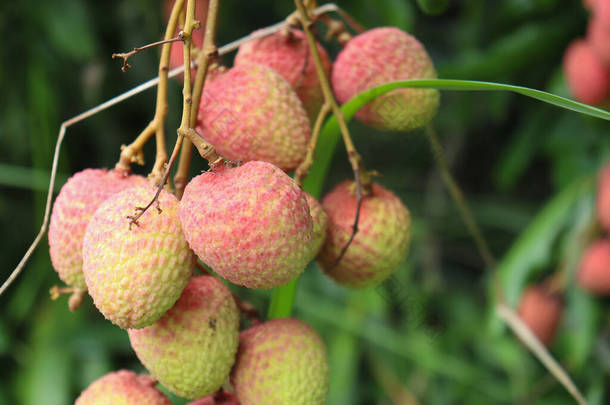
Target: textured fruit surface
pixel 384 55
pixel 598 35
pixel 250 112
pixel 135 275
pixel 587 77
pixel 221 398
pixel 382 241
pixel 320 223
pixel 250 224
pixel 541 310
pixel 594 271
pixel 281 362
pixel 77 201
pixel 191 349
pixel 123 388
pixel 603 197
pixel 288 54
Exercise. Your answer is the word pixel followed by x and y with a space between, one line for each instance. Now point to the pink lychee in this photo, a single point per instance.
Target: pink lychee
pixel 598 36
pixel 594 271
pixel 135 275
pixel 77 201
pixel 541 309
pixel 250 112
pixel 282 361
pixel 123 388
pixel 586 76
pixel 288 54
pixel 250 224
pixel 382 241
pixel 384 55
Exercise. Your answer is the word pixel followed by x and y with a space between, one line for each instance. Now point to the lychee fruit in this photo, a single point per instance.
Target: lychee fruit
pixel 384 55
pixel 222 397
pixel 136 273
pixel 250 112
pixel 320 223
pixel 603 197
pixel 77 201
pixel 586 75
pixel 594 271
pixel 382 241
pixel 191 349
pixel 288 54
pixel 123 388
pixel 250 224
pixel 598 36
pixel 282 361
pixel 541 309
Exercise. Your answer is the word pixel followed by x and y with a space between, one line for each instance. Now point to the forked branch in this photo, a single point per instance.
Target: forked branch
pixel 125 56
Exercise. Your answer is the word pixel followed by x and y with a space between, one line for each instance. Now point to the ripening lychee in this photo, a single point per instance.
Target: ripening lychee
pixel 281 362
pixel 603 197
pixel 594 271
pixel 382 241
pixel 586 76
pixel 598 36
pixel 250 112
pixel 123 388
pixel 77 201
pixel 191 349
pixel 288 54
pixel 222 397
pixel 384 55
pixel 250 224
pixel 541 310
pixel 320 223
pixel 135 275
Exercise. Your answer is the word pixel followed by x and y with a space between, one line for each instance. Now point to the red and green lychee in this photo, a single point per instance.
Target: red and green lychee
pixel 123 388
pixel 586 75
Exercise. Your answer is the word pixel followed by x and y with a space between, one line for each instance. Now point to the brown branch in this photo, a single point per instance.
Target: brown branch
pixel 76 295
pixel 125 56
pixel 301 171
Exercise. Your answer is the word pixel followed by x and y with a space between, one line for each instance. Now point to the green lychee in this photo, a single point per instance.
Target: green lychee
pixel 281 362
pixel 382 241
pixel 191 349
pixel 123 388
pixel 134 275
pixel 77 201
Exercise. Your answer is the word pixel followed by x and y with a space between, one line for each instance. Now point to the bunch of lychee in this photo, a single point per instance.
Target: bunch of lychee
pixel 586 61
pixel 248 221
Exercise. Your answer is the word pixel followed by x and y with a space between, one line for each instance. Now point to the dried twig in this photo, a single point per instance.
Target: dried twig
pixel 125 56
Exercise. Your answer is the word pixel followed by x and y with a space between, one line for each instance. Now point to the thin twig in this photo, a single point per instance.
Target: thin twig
pixel 125 56
pixel 361 176
pixel 301 171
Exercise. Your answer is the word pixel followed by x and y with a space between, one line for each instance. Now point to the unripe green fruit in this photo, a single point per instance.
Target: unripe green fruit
pixel 123 388
pixel 191 349
pixel 382 241
pixel 281 362
pixel 135 275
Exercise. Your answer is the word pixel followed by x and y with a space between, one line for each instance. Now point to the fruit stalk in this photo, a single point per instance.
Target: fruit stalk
pixel 303 169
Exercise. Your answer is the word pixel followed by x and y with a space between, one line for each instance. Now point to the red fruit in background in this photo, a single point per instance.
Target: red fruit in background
pixel 603 197
pixel 594 272
pixel 598 35
pixel 288 54
pixel 122 388
pixel 220 398
pixel 586 75
pixel 541 310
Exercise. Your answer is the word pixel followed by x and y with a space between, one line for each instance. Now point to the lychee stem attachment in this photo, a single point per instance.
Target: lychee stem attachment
pixel 126 55
pixel 76 295
pixel 301 171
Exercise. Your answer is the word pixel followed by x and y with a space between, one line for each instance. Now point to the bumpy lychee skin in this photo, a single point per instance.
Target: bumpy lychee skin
pixel 250 112
pixel 541 309
pixel 191 349
pixel 382 241
pixel 384 55
pixel 320 223
pixel 281 362
pixel 586 75
pixel 135 275
pixel 123 388
pixel 250 224
pixel 594 271
pixel 598 35
pixel 74 206
pixel 222 398
pixel 603 197
pixel 288 54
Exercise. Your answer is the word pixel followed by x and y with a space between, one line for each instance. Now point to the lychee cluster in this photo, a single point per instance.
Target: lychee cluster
pixel 586 62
